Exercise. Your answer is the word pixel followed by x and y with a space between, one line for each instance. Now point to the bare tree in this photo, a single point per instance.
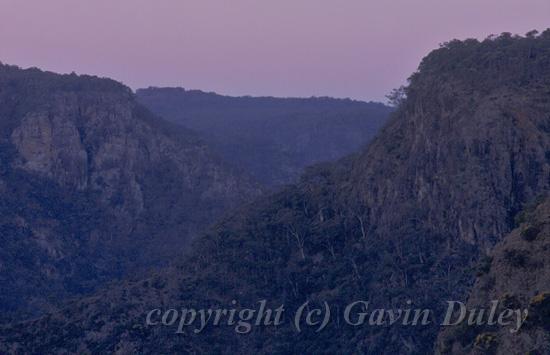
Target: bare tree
pixel 300 240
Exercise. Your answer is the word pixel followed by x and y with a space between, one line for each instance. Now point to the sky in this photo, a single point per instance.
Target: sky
pixel 359 49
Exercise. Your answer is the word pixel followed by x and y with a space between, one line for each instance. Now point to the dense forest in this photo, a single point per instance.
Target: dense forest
pixel 410 217
pixel 273 139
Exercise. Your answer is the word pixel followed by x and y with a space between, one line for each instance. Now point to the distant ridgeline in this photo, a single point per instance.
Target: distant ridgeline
pixel 408 218
pixel 273 139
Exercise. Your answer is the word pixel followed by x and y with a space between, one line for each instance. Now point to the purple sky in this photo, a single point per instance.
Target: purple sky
pixel 345 48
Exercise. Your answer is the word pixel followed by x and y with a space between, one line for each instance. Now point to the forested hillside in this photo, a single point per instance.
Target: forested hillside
pixel 272 138
pixel 408 218
pixel 516 274
pixel 94 187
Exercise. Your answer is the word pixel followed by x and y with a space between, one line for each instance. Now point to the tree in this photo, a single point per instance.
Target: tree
pixel 397 96
pixel 532 34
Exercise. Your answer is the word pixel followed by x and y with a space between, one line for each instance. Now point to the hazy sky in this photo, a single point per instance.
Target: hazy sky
pixel 344 48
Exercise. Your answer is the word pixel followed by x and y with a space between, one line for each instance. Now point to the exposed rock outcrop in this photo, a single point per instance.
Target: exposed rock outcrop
pixel 95 187
pixel 406 219
pixel 518 276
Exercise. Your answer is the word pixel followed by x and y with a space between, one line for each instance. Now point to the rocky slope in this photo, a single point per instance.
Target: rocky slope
pixel 517 274
pixel 272 138
pixel 94 187
pixel 406 219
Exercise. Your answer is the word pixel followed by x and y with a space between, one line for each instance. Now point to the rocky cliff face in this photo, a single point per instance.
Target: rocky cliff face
pixel 406 219
pixel 94 187
pixel 516 274
pixel 274 139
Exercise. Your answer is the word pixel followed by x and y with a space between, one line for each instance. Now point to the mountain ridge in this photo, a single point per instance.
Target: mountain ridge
pixel 87 175
pixel 272 138
pixel 407 218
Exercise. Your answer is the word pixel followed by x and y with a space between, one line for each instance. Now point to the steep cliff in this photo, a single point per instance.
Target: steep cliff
pixel 272 138
pixel 408 218
pixel 94 187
